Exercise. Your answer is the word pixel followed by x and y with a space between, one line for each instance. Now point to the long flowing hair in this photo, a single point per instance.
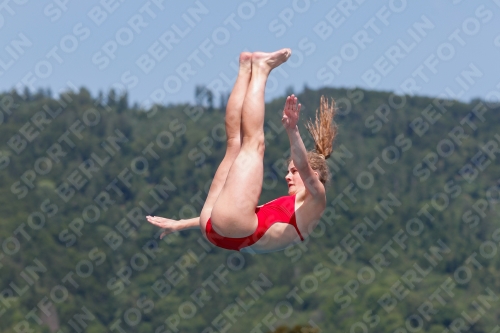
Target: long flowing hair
pixel 323 131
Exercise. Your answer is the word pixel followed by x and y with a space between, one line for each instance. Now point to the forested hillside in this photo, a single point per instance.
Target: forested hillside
pixel 408 242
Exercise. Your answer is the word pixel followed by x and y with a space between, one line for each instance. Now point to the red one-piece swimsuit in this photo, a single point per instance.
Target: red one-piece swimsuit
pixel 279 210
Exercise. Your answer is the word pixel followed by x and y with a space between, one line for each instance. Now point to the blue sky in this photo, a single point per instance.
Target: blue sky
pixel 159 51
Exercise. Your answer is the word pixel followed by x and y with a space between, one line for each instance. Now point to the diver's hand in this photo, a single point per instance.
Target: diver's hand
pixel 290 113
pixel 169 225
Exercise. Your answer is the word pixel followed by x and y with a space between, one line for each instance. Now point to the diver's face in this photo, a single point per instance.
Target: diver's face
pixel 295 183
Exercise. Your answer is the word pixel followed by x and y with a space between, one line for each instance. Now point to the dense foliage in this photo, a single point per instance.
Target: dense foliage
pixel 409 239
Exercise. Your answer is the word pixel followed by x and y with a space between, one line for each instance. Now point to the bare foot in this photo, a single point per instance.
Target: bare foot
pixel 246 61
pixel 270 60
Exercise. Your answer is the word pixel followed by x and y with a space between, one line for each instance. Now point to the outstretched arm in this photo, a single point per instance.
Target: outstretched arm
pixel 298 150
pixel 171 226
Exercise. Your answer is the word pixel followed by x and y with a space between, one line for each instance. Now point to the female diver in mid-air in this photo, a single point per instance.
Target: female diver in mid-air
pixel 230 217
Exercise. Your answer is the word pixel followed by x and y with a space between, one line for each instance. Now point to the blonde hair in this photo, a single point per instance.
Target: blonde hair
pixel 323 132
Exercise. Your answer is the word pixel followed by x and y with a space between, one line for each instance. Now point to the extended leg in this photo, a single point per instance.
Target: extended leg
pixel 233 214
pixel 233 134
